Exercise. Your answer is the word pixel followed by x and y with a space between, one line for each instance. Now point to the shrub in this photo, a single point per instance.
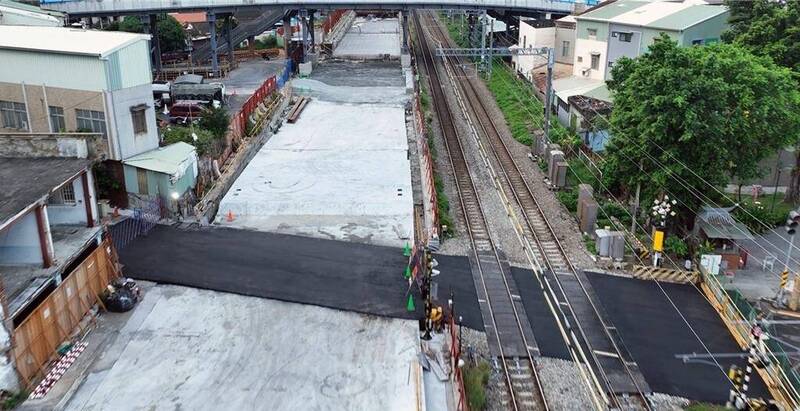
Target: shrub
pixel 612 209
pixel 755 216
pixel 204 144
pixel 591 245
pixel 569 198
pixel 675 245
pixel 476 377
pixel 216 120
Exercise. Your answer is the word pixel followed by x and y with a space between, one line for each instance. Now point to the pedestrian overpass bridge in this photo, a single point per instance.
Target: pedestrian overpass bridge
pixel 78 8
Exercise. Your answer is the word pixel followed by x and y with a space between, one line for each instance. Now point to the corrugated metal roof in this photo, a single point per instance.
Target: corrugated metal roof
pixel 668 15
pixel 688 17
pixel 168 160
pixel 66 40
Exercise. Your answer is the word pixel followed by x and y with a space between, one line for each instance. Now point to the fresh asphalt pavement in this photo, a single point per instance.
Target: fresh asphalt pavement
pixel 369 279
pixel 654 332
pixel 334 274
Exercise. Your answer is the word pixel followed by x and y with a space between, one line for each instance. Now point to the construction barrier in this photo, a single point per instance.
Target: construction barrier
pixel 782 380
pixel 238 126
pixel 330 22
pixel 646 272
pixel 37 338
pixel 427 165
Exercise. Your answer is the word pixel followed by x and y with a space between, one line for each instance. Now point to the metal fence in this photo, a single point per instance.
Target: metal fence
pixel 143 220
pixel 782 380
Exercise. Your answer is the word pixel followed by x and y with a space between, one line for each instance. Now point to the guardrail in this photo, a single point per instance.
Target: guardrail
pixel 738 315
pixel 455 356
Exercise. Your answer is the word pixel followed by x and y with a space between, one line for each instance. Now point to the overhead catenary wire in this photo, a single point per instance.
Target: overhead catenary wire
pixel 671 301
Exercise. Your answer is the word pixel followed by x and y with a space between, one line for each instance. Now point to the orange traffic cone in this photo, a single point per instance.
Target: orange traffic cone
pixel 230 217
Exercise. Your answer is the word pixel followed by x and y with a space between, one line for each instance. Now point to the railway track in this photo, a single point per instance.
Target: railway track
pixel 606 349
pixel 509 330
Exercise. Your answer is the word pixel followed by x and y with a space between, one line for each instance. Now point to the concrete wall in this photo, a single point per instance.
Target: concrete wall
pixel 618 48
pixel 74 214
pixel 586 45
pixel 37 98
pixel 565 35
pixel 19 243
pixel 530 36
pixel 125 143
pixel 80 145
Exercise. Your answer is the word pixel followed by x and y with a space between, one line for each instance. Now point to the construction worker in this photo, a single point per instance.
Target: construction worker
pixel 436 316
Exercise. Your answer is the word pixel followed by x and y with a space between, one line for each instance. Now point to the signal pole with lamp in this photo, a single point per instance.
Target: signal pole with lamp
pixel 661 210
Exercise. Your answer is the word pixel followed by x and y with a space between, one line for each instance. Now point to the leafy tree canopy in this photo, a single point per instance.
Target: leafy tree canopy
pixel 717 109
pixel 171 35
pixel 767 28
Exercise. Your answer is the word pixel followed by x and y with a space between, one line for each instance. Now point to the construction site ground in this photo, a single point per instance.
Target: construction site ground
pixel 245 79
pixel 368 279
pixel 184 348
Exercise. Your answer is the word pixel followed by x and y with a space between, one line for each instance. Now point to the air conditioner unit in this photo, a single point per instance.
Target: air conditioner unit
pixel 585 71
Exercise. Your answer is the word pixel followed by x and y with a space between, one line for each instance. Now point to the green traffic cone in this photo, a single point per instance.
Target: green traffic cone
pixel 410 305
pixel 408 272
pixel 407 250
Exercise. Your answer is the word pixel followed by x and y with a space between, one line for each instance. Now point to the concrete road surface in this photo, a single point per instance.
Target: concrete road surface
pixel 189 349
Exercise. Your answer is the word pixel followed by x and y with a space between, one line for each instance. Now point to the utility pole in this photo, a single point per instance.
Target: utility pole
pixel 548 95
pixel 491 46
pixel 483 37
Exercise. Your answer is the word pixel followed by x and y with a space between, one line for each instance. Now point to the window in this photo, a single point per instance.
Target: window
pixel 580 59
pixel 57 123
pixel 14 115
pixel 564 48
pixel 139 119
pixel 595 61
pixel 698 42
pixel 90 120
pixel 141 178
pixel 592 34
pixel 524 41
pixel 625 37
pixel 63 196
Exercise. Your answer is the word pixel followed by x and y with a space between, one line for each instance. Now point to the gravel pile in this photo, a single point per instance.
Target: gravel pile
pixel 563 384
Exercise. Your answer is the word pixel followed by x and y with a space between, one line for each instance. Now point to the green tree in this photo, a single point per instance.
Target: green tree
pixel 215 120
pixel 717 109
pixel 769 28
pixel 171 35
pixel 205 142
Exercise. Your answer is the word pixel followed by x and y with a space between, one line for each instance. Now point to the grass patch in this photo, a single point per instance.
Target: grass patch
pixel 443 205
pixel 569 198
pixel 591 245
pixel 13 400
pixel 701 406
pixel 457 31
pixel 476 378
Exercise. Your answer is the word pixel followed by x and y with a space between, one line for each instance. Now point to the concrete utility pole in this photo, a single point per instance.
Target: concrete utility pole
pixel 483 36
pixel 405 31
pixel 212 25
pixel 491 46
pixel 551 61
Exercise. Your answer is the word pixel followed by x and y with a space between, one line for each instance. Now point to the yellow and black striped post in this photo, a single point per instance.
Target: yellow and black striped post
pixel 784 279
